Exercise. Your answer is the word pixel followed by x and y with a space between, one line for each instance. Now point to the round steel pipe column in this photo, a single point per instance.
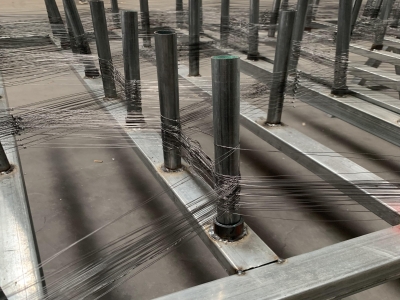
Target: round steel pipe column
pixel 130 40
pixel 226 115
pixel 56 22
pixel 253 30
pixel 342 48
pixel 194 37
pixel 179 13
pixel 145 17
pixel 79 36
pixel 281 64
pixel 355 12
pixel 274 18
pixel 224 27
pixel 168 88
pixel 103 47
pixel 4 163
pixel 115 12
pixel 298 31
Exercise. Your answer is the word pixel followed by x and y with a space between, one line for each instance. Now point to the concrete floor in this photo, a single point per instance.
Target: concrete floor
pixel 70 195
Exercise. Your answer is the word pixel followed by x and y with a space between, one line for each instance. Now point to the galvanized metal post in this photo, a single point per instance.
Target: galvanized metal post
pixel 103 47
pixel 298 31
pixel 130 40
pixel 253 53
pixel 375 9
pixel 274 18
pixel 355 12
pixel 82 43
pixel 167 74
pixel 226 115
pixel 194 37
pixel 56 22
pixel 145 17
pixel 281 63
pixel 310 12
pixel 224 27
pixel 115 12
pixel 179 13
pixel 4 163
pixel 368 8
pixel 342 48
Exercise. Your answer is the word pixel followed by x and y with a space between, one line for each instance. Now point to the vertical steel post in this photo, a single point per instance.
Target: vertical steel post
pixel 285 5
pixel 368 8
pixel 342 48
pixel 130 40
pixel 56 22
pixel 115 12
pixel 72 41
pixel 309 17
pixel 315 9
pixel 201 15
pixel 179 13
pixel 253 30
pixel 355 12
pixel 103 47
pixel 298 31
pixel 194 37
pixel 167 74
pixel 375 9
pixel 80 38
pixel 224 29
pixel 274 18
pixel 281 64
pixel 4 163
pixel 145 18
pixel 226 117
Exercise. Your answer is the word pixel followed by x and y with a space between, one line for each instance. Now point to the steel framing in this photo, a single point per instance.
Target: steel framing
pixel 331 272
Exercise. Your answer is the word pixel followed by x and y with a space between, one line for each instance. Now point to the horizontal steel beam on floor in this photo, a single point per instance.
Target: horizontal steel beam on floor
pixel 333 272
pixel 19 260
pixel 184 188
pixel 339 171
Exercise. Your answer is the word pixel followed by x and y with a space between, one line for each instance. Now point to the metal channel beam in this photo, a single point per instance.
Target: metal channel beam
pixel 383 56
pixel 184 187
pixel 341 172
pixel 19 258
pixel 376 75
pixel 332 272
pixel 392 42
pixel 367 116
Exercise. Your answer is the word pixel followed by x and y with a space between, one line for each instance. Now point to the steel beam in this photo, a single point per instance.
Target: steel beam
pixel 333 272
pixel 20 277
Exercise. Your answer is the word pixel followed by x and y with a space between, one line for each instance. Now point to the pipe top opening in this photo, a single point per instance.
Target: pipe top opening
pixel 225 57
pixel 165 32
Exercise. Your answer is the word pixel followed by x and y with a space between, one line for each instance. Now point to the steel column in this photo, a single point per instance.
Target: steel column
pixel 82 43
pixel 274 18
pixel 253 30
pixel 281 63
pixel 298 30
pixel 103 47
pixel 145 18
pixel 56 22
pixel 179 13
pixel 226 112
pixel 115 12
pixel 167 74
pixel 355 12
pixel 285 5
pixel 368 8
pixel 224 27
pixel 342 48
pixel 194 37
pixel 130 40
pixel 4 163
pixel 375 9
